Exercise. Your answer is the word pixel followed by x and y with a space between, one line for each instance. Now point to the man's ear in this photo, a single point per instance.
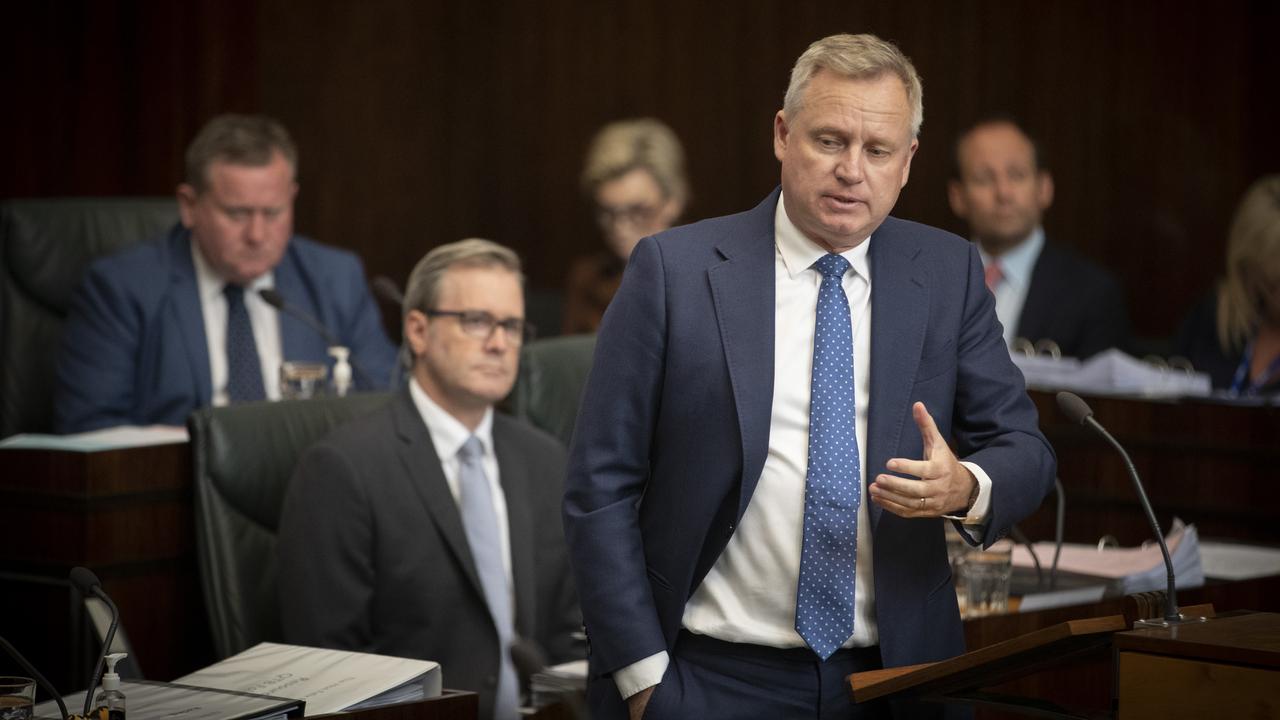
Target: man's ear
pixel 415 328
pixel 955 196
pixel 187 197
pixel 1044 189
pixel 781 134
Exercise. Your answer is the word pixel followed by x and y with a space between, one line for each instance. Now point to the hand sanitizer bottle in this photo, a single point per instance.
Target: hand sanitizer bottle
pixel 341 370
pixel 110 702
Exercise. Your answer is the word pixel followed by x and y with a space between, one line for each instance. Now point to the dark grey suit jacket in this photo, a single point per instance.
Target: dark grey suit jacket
pixel 1075 303
pixel 373 556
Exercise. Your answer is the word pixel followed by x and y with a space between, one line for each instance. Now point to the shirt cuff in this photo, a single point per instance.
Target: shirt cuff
pixel 641 674
pixel 977 517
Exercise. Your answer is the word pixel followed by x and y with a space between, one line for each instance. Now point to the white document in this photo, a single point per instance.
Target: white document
pixel 116 438
pixel 1129 570
pixel 1232 561
pixel 328 680
pixel 1111 372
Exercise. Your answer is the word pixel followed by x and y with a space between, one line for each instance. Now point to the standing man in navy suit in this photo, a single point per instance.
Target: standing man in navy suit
pixel 177 323
pixel 761 460
pixel 1002 189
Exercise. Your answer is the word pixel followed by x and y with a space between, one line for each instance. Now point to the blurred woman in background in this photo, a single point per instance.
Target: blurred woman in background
pixel 1234 335
pixel 635 178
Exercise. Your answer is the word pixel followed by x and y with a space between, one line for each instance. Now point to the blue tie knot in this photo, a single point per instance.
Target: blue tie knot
pixel 832 266
pixel 471 450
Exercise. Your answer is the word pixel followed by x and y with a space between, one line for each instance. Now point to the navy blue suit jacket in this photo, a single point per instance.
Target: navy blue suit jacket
pixel 134 350
pixel 677 411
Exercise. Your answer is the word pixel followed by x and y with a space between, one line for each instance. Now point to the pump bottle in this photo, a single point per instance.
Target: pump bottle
pixel 109 704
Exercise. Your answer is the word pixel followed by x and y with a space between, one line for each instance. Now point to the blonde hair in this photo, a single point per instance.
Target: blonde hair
pixel 1253 263
pixel 856 56
pixel 639 143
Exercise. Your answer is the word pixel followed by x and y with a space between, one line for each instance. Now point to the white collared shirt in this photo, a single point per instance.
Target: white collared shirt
pixel 749 595
pixel 448 436
pixel 1016 267
pixel 264 319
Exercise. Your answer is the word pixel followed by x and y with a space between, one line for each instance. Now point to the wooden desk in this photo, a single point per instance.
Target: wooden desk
pixel 125 514
pixel 1088 682
pixel 1211 464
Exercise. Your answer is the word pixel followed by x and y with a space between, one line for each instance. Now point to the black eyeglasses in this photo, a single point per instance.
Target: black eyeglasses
pixel 480 324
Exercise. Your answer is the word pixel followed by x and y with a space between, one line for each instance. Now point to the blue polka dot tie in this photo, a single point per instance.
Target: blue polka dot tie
pixel 824 597
pixel 244 369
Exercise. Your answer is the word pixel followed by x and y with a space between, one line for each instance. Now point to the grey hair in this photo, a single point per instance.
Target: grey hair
pixel 424 282
pixel 855 56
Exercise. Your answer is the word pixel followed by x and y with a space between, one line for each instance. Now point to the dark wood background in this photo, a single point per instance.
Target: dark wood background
pixel 424 122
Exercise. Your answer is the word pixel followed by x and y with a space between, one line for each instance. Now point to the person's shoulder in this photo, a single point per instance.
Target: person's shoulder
pixel 705 235
pixel 912 237
pixel 143 258
pixel 362 437
pixel 525 437
pixel 1061 259
pixel 314 254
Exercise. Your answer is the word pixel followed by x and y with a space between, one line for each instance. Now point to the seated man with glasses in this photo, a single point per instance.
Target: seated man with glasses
pixel 430 528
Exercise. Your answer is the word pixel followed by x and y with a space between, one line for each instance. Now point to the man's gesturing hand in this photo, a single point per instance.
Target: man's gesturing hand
pixel 944 485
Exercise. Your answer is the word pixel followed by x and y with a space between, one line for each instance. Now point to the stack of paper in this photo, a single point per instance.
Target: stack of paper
pixel 149 700
pixel 1124 571
pixel 328 680
pixel 1111 372
pixel 558 681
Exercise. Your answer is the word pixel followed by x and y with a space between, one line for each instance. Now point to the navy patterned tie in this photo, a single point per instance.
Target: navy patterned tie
pixel 244 369
pixel 480 522
pixel 824 597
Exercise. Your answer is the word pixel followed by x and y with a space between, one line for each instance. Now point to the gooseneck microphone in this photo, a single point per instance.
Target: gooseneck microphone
pixel 44 683
pixel 1078 411
pixel 88 584
pixel 277 301
pixel 387 289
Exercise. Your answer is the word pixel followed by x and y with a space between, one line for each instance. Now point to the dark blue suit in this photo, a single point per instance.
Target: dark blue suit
pixel 678 406
pixel 134 350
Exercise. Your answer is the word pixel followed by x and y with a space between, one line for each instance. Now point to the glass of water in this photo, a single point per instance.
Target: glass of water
pixel 302 381
pixel 17 697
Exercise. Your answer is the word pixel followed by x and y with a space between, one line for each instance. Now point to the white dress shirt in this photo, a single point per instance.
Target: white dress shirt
pixel 448 436
pixel 264 319
pixel 1016 267
pixel 749 595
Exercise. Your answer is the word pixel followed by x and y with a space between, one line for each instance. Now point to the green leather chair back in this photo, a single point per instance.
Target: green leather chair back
pixel 45 245
pixel 244 458
pixel 553 373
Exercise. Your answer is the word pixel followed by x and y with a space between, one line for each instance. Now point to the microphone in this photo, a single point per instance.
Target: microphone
pixel 40 679
pixel 88 584
pixel 1078 411
pixel 387 289
pixel 277 301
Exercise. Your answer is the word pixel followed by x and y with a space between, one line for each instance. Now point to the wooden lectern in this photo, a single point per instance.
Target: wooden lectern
pixel 1226 667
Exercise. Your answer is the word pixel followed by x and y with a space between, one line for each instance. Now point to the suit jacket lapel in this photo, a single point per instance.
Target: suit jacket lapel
pixel 513 473
pixel 188 317
pixel 899 315
pixel 298 341
pixel 422 466
pixel 743 289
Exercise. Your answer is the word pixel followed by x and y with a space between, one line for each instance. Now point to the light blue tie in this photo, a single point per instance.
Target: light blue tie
pixel 481 525
pixel 244 368
pixel 824 597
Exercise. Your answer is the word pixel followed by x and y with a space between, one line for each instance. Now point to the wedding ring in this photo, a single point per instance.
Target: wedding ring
pixel 921 503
